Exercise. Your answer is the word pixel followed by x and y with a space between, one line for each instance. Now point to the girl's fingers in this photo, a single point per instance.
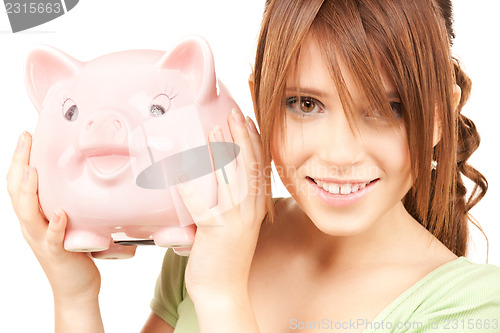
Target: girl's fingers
pixel 194 202
pixel 55 232
pixel 254 138
pixel 237 179
pixel 239 131
pixel 257 183
pixel 224 159
pixel 20 159
pixel 27 210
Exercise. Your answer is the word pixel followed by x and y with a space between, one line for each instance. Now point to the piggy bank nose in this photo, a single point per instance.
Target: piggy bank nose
pixel 104 128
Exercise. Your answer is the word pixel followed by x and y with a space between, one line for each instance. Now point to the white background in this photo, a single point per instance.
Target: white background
pixel 96 27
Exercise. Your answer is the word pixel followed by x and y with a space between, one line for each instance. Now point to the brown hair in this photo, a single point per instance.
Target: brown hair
pixel 412 41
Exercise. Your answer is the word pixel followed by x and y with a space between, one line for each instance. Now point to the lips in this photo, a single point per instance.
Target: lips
pixel 341 193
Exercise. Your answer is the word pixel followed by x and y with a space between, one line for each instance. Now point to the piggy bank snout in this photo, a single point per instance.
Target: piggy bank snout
pixel 104 128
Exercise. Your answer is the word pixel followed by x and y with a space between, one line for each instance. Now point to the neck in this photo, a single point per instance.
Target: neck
pixel 391 239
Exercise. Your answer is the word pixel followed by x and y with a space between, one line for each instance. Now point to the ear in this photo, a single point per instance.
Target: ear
pixel 251 85
pixel 457 94
pixel 436 136
pixel 45 66
pixel 193 57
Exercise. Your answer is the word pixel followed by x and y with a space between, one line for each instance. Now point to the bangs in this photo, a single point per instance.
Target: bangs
pixel 362 69
pixel 340 31
pixel 377 40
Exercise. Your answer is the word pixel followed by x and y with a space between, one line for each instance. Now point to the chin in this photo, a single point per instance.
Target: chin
pixel 340 227
pixel 335 222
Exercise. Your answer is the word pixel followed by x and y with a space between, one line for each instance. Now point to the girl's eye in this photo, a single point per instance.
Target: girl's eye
pixel 396 107
pixel 70 110
pixel 303 106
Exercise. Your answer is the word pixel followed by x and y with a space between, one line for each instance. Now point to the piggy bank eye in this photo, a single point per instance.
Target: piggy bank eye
pixel 70 110
pixel 160 105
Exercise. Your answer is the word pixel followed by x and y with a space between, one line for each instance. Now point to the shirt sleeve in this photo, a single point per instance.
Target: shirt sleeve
pixel 170 289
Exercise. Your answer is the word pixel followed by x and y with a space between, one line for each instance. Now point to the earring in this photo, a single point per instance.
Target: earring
pixel 434 165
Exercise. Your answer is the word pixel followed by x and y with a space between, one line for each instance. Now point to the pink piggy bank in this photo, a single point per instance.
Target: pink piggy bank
pixel 113 137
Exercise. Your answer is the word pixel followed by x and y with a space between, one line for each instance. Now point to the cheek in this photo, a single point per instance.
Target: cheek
pixel 392 154
pixel 275 145
pixel 292 146
pixel 401 155
pixel 280 155
pixel 288 154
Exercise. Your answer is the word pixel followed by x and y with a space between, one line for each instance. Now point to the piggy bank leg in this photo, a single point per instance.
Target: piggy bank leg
pixel 175 237
pixel 86 241
pixel 116 251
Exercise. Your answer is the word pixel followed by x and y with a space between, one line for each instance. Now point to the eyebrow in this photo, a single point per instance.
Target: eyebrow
pixel 306 90
pixel 393 94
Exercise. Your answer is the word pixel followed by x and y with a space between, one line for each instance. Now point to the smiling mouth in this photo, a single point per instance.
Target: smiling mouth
pixel 108 164
pixel 344 188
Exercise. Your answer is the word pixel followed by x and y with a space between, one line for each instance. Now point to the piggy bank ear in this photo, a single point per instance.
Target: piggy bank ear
pixel 45 67
pixel 193 56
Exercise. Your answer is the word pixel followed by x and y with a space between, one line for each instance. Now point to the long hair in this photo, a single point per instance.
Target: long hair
pixel 411 40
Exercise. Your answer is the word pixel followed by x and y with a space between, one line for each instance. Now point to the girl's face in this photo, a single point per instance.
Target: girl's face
pixel 344 180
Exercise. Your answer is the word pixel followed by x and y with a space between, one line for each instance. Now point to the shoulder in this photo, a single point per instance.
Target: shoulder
pixel 464 289
pixel 469 300
pixel 459 296
pixel 468 275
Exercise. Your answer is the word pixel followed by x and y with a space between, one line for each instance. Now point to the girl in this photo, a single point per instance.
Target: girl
pixel 359 104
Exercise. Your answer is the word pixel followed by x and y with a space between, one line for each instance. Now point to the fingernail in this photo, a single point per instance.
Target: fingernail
pixel 26 174
pixel 20 142
pixel 57 216
pixel 238 116
pixel 182 177
pixel 251 125
pixel 211 135
pixel 218 133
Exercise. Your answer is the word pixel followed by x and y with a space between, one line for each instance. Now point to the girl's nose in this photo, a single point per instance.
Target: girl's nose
pixel 340 142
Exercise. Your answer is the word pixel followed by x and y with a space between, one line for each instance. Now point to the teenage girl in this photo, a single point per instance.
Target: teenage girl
pixel 358 104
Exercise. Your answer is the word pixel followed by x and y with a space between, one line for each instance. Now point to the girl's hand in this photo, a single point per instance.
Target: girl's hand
pixel 73 276
pixel 226 235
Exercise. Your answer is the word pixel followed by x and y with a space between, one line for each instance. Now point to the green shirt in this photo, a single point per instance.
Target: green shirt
pixel 459 296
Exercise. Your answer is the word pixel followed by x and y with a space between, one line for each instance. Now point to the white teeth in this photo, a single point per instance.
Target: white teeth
pixel 334 188
pixel 344 189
